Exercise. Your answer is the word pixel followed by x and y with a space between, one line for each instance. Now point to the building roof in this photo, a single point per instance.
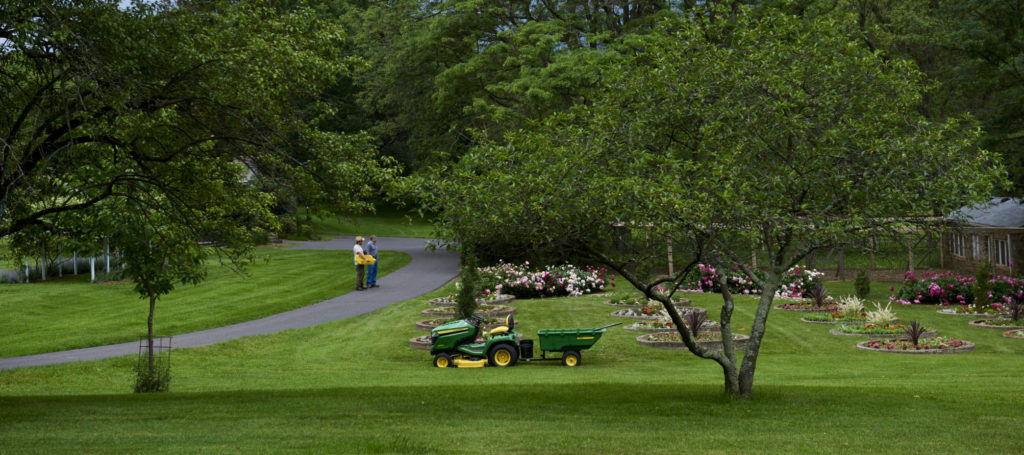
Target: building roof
pixel 1004 212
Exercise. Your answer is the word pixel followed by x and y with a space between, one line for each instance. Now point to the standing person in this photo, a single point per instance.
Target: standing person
pixel 357 251
pixel 371 270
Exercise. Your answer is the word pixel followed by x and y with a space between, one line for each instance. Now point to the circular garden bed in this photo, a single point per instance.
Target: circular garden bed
pixel 933 345
pixel 807 306
pixel 958 312
pixel 672 341
pixel 484 311
pixel 637 303
pixel 503 299
pixel 831 319
pixel 868 330
pixel 998 323
pixel 663 325
pixel 420 342
pixel 1016 333
pixel 643 313
pixel 430 324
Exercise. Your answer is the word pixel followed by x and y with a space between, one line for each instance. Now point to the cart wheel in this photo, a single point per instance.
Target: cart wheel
pixel 503 355
pixel 443 360
pixel 571 358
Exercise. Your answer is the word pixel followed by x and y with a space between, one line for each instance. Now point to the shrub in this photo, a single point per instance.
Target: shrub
pixel 466 301
pixel 552 281
pixel 695 319
pixel 914 331
pixel 936 288
pixel 983 285
pixel 849 306
pixel 796 282
pixel 155 380
pixel 881 317
pixel 862 284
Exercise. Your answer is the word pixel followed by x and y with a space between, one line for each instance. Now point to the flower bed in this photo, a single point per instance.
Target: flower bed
pixel 665 325
pixel 553 281
pixel 998 323
pixel 796 282
pixel 652 313
pixel 807 306
pixel 484 311
pixel 640 302
pixel 834 318
pixel 420 342
pixel 672 341
pixel 933 345
pixel 491 299
pixel 430 324
pixel 1014 334
pixel 953 289
pixel 961 311
pixel 872 330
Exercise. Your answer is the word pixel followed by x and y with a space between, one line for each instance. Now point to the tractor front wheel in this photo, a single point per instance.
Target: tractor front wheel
pixel 443 360
pixel 571 358
pixel 503 355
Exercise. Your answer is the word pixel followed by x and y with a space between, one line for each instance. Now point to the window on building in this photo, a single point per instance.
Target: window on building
pixel 1002 251
pixel 975 248
pixel 957 245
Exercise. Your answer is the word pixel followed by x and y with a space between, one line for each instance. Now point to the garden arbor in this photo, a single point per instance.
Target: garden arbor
pixel 763 130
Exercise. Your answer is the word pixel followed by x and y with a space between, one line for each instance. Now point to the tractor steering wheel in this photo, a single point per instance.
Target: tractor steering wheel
pixel 477 319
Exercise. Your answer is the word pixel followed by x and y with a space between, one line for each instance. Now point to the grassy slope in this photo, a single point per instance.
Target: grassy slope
pixel 353 386
pixel 387 222
pixel 71 313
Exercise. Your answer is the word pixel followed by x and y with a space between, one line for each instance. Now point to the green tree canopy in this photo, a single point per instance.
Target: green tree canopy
pixel 719 134
pixel 100 103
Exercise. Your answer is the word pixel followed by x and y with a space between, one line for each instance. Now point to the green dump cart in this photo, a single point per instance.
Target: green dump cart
pixel 568 342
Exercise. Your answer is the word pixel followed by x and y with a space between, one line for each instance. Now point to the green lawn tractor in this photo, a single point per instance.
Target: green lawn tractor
pixel 456 344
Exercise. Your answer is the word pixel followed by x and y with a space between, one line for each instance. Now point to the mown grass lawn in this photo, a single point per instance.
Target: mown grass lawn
pixel 386 222
pixel 71 313
pixel 354 386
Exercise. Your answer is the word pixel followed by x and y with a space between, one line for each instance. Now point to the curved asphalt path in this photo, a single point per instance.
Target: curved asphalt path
pixel 428 271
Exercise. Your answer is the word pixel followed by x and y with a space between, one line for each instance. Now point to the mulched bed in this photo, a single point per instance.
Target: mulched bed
pixel 985 323
pixel 739 342
pixel 487 313
pixel 965 348
pixel 898 334
pixel 1015 333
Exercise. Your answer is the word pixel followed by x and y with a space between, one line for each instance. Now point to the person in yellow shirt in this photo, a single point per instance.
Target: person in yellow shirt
pixel 358 255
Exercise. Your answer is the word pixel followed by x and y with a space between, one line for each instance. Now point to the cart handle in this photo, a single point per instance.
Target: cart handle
pixel 609 325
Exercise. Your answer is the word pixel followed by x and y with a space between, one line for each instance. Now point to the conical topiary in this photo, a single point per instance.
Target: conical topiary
pixel 862 284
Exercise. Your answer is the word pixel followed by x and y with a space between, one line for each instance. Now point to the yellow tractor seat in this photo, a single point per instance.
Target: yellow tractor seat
pixel 509 325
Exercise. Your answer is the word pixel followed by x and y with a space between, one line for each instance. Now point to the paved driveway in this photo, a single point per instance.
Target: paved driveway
pixel 428 271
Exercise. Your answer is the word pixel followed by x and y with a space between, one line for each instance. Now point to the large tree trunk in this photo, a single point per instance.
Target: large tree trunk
pixel 746 373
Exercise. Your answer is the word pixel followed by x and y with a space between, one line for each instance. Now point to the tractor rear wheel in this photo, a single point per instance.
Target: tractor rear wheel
pixel 443 360
pixel 571 358
pixel 503 355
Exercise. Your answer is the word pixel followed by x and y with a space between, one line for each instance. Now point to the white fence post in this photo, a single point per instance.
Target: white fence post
pixel 92 269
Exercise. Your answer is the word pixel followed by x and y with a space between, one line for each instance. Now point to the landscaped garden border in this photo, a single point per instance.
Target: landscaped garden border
pixel 967 347
pixel 898 334
pixel 1014 333
pixel 489 313
pixel 952 312
pixel 739 342
pixel 984 324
